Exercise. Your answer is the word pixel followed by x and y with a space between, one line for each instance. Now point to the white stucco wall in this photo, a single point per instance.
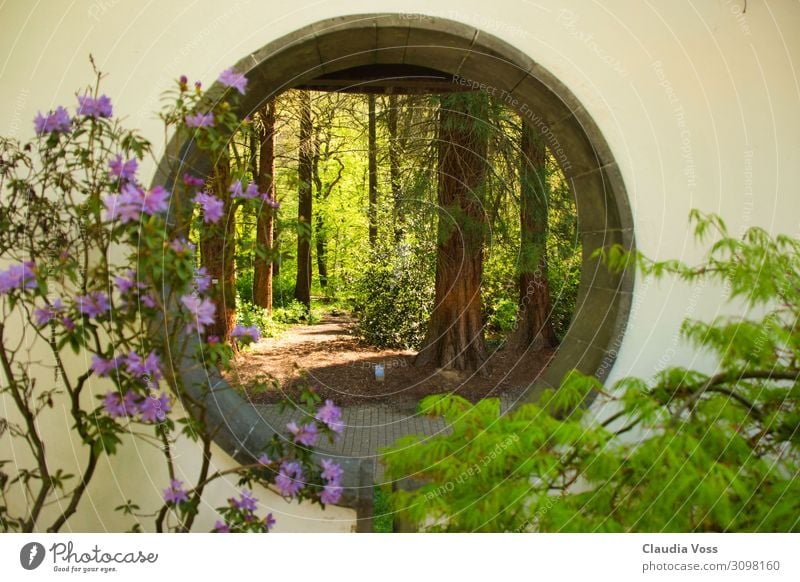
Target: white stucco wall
pixel 698 102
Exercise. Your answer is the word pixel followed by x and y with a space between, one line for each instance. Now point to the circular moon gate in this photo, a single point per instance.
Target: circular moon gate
pixel 470 58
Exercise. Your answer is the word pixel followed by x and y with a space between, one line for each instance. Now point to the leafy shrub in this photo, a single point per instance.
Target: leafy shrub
pixel 394 299
pixel 715 451
pixel 503 315
pixel 294 312
pixel 248 314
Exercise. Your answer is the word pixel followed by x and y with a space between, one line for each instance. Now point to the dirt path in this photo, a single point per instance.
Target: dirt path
pixel 342 368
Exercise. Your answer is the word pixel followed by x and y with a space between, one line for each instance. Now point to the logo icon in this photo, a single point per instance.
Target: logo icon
pixel 31 555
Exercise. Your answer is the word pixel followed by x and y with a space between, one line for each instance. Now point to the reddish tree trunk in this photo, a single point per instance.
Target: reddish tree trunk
pixel 534 329
pixel 262 276
pixel 455 331
pixel 217 254
pixel 302 287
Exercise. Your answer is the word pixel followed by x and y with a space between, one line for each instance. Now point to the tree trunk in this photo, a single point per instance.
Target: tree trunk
pixel 373 175
pixel 455 331
pixel 302 287
pixel 319 225
pixel 394 169
pixel 533 329
pixel 262 272
pixel 217 255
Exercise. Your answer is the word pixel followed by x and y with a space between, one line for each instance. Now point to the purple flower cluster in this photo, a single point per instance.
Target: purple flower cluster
pixel 246 334
pixel 93 304
pixel 129 205
pixel 246 502
pixel 200 120
pixel 290 478
pixel 303 435
pixel 90 107
pixel 175 493
pixel 202 310
pixel 212 206
pixel 149 367
pixel 150 408
pixel 102 366
pixel 129 283
pixel 20 276
pixel 332 474
pixel 43 315
pixel 231 78
pixel 238 191
pixel 193 181
pixel 57 121
pixel 331 416
pixel 124 171
pixel 182 246
pixel 202 280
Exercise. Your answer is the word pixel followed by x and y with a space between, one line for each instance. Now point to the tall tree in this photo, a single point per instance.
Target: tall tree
pixel 262 277
pixel 218 254
pixel 455 332
pixel 372 148
pixel 302 287
pixel 534 328
pixel 394 167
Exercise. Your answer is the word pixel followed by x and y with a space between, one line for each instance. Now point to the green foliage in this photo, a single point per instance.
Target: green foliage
pixel 248 314
pixel 686 451
pixel 394 298
pixel 295 312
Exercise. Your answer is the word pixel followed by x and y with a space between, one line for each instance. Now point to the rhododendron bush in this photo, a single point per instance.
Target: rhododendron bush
pixel 101 269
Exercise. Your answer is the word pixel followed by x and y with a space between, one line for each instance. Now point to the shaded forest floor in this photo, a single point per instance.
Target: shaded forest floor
pixel 341 367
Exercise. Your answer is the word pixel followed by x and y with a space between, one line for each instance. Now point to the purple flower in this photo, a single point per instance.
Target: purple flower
pixel 91 107
pixel 103 367
pixel 123 171
pixel 190 180
pixel 55 122
pixel 68 324
pixel 155 201
pixel 19 276
pixel 231 78
pixel 126 284
pixel 269 201
pixel 202 280
pixel 331 415
pixel 332 472
pixel 149 301
pixel 203 311
pixel 246 334
pixel 303 435
pixel 251 191
pixel 175 493
pixel 264 459
pixel 44 315
pixel 183 81
pixel 269 522
pixel 200 120
pixel 289 479
pixel 113 405
pixel 246 501
pixel 94 304
pixel 221 527
pixel 133 201
pixel 236 190
pixel 212 206
pixel 144 367
pixel 155 409
pixel 131 403
pixel 330 494
pixel 181 246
